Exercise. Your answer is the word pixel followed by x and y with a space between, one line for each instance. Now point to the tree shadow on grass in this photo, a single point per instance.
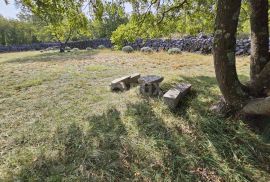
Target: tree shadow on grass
pixel 54 56
pixel 174 165
pixel 234 153
pixel 243 149
pixel 202 93
pixel 94 154
pixel 215 149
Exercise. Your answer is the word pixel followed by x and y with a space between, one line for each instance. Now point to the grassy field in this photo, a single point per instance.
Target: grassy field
pixel 60 122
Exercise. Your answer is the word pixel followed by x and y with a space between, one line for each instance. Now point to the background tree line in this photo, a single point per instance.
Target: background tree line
pixel 16 32
pixel 110 19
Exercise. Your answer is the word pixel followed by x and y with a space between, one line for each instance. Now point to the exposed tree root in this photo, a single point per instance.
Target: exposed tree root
pixel 221 108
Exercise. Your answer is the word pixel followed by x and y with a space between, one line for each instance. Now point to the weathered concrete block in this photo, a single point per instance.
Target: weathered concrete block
pixel 174 95
pixel 121 84
pixel 134 78
pixel 151 79
pixel 124 83
pixel 149 85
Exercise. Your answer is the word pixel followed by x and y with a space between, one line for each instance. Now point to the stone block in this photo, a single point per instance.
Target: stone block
pixel 134 78
pixel 149 85
pixel 124 83
pixel 120 84
pixel 174 95
pixel 150 79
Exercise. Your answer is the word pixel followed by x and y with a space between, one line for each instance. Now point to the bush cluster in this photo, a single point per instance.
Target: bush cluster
pixel 127 49
pixel 75 50
pixel 101 47
pixel 147 50
pixel 50 48
pixel 68 49
pixel 174 51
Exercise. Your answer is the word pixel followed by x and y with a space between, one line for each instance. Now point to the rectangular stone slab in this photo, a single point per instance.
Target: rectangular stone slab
pixel 149 79
pixel 120 83
pixel 134 78
pixel 174 95
pixel 122 79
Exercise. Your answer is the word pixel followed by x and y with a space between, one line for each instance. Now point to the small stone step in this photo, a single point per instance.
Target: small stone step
pixel 120 84
pixel 174 95
pixel 134 78
pixel 124 83
pixel 150 79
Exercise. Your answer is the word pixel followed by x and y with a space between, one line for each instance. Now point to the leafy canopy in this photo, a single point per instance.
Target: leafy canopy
pixel 112 16
pixel 170 18
pixel 63 18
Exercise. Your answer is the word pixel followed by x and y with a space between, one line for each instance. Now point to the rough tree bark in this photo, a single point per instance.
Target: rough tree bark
pixel 259 44
pixel 235 94
pixel 224 53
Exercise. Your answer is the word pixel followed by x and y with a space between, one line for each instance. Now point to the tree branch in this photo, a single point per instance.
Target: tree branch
pixel 163 14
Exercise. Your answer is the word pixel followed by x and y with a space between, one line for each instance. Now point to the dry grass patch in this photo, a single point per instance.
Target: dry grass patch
pixel 59 121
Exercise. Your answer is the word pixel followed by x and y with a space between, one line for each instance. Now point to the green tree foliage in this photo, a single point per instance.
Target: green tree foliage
pixel 141 26
pixel 195 17
pixel 16 32
pixel 113 15
pixel 155 19
pixel 63 18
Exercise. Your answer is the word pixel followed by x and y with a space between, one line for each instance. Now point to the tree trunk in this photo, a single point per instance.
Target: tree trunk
pixel 261 85
pixel 62 47
pixel 259 42
pixel 224 53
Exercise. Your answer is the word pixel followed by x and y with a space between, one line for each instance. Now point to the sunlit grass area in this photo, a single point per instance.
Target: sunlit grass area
pixel 60 121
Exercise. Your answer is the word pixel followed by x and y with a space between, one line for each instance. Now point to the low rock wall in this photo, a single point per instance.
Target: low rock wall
pixel 200 44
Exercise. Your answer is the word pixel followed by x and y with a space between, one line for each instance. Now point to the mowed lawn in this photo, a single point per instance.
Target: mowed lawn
pixel 59 121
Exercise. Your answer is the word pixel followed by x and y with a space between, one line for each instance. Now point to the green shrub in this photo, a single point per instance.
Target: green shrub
pixel 113 48
pixel 145 30
pixel 127 49
pixel 101 47
pixel 117 47
pixel 49 49
pixel 67 49
pixel 147 50
pixel 89 49
pixel 174 51
pixel 75 50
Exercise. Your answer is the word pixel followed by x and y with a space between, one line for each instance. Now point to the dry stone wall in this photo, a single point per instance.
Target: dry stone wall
pixel 199 44
pixel 42 46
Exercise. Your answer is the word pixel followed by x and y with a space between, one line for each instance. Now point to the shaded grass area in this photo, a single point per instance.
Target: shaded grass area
pixel 70 127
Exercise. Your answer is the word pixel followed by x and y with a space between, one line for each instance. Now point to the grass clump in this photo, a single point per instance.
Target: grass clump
pixel 96 68
pixel 147 50
pixel 75 49
pixel 174 51
pixel 101 47
pixel 50 49
pixel 127 49
pixel 115 48
pixel 88 49
pixel 68 49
